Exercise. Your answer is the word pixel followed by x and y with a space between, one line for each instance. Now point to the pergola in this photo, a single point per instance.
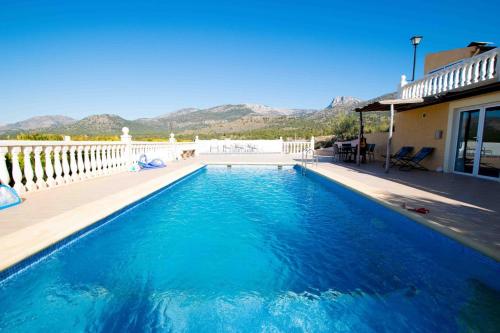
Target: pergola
pixel 391 105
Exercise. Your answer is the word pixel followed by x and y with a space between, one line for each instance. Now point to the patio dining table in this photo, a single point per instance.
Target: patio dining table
pixel 348 153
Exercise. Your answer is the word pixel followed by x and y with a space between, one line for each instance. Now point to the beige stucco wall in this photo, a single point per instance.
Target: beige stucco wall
pixel 439 59
pixel 418 128
pixel 380 141
pixel 413 129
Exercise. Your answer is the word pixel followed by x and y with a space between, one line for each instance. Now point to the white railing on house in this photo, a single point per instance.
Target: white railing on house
pixel 34 165
pixel 229 146
pixel 475 71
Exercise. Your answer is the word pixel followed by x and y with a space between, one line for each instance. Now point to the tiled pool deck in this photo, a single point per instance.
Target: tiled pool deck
pixel 462 207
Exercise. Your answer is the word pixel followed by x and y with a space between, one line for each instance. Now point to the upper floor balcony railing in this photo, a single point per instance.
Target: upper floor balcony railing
pixel 479 70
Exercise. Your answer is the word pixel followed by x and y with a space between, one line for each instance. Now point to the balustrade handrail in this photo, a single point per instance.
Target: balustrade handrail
pixel 477 70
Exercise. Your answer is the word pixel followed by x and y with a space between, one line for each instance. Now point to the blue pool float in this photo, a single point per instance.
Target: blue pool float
pixel 153 164
pixel 8 197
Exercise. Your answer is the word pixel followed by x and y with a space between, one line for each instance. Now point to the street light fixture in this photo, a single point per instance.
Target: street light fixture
pixel 415 40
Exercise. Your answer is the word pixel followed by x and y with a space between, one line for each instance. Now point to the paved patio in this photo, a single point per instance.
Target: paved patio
pixel 462 207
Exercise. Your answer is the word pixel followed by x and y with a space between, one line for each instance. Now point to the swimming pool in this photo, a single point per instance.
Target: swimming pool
pixel 256 249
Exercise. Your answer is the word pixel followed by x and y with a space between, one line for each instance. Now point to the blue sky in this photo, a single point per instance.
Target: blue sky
pixel 146 58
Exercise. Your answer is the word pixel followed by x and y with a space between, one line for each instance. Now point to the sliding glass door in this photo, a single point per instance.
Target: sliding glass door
pixel 489 163
pixel 478 142
pixel 467 141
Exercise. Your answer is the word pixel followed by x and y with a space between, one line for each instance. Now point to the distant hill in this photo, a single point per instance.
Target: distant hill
pixel 38 122
pixel 339 105
pixel 219 120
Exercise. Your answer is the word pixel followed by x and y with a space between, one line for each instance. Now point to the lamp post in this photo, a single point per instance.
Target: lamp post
pixel 415 40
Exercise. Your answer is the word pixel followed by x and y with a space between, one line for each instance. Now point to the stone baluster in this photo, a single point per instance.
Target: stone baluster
pixel 482 71
pixel 81 163
pixel 118 157
pixel 40 182
pixel 476 72
pixel 426 88
pixel 4 172
pixel 65 164
pixel 491 66
pixel 17 175
pixel 28 169
pixel 93 161
pixel 104 160
pixel 111 162
pixel 457 78
pixel 49 170
pixel 57 165
pixel 112 158
pixel 73 165
pixel 98 160
pixel 86 162
pixel 469 74
pixel 452 80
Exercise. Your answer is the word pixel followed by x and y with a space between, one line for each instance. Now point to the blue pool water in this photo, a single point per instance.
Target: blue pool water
pixel 256 249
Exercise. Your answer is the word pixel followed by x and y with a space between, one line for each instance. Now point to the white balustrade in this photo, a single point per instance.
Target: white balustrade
pixel 478 70
pixel 72 164
pixel 86 162
pixel 57 165
pixel 17 175
pixel 40 182
pixel 49 170
pixel 28 169
pixel 80 163
pixel 4 172
pixel 65 165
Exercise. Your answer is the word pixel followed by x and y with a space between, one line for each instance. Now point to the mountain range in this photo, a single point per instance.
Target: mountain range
pixel 228 118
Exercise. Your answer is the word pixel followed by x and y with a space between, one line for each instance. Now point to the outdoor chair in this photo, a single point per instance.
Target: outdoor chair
pixel 397 159
pixel 413 162
pixel 370 152
pixel 335 152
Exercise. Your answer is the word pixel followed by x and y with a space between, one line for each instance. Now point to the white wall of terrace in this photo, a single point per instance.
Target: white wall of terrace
pixel 30 166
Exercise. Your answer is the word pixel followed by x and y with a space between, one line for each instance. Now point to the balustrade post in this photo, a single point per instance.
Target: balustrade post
pixel 40 182
pixel 127 152
pixel 4 172
pixel 17 175
pixel 49 170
